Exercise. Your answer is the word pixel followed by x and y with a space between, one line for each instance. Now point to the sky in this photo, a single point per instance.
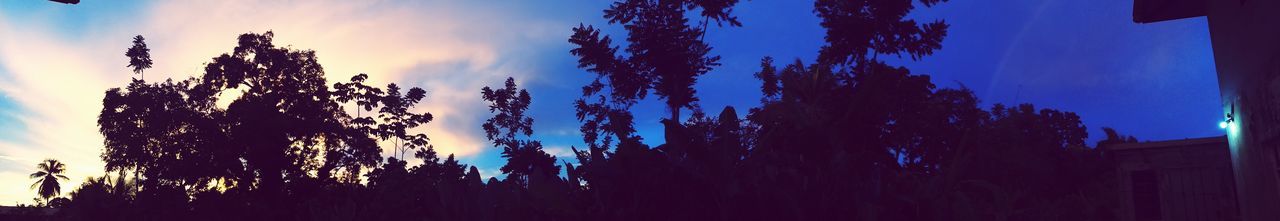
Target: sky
pixel 1153 81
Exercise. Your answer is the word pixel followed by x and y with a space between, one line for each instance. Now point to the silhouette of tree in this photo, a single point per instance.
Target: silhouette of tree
pixel 366 99
pixel 1114 137
pixel 664 53
pixel 946 121
pixel 667 54
pixel 59 202
pixel 47 175
pixel 139 59
pixel 283 126
pixel 163 132
pixel 605 117
pixel 846 137
pixel 524 157
pixel 859 30
pixel 1035 161
pixel 99 199
pixel 139 55
pixel 397 119
pixel 286 114
pixel 835 133
pixel 393 171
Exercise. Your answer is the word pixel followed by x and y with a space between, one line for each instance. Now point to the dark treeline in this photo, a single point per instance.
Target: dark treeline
pixel 844 137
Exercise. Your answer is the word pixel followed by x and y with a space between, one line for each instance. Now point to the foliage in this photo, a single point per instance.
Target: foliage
pixel 164 131
pixel 47 174
pixel 524 157
pixel 283 124
pixel 666 53
pixel 845 137
pixel 397 119
pixel 139 55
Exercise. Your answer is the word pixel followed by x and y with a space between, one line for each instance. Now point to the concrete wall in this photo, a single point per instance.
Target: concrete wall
pixel 1246 49
pixel 1195 181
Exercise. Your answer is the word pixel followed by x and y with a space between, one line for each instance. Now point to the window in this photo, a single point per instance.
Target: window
pixel 1146 195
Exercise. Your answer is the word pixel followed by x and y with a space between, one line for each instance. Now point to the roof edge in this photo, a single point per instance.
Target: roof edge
pixel 1167 143
pixel 1148 11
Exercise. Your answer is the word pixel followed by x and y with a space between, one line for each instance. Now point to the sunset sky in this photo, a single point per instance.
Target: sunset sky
pixel 1153 81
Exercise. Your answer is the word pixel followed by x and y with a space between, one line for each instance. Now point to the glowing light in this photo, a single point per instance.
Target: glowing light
pixel 1233 130
pixel 1229 123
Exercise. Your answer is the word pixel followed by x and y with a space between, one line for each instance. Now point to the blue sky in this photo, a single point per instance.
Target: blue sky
pixel 1154 81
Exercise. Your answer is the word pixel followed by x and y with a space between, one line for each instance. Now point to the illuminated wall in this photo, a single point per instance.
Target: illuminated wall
pixel 1246 49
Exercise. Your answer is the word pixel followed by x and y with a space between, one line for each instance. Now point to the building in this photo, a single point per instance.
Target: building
pixel 1187 179
pixel 1246 47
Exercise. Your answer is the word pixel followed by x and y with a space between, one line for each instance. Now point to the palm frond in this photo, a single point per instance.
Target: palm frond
pixel 47 175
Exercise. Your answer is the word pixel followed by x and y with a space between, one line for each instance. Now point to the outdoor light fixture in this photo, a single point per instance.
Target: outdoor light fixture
pixel 1225 123
pixel 1229 123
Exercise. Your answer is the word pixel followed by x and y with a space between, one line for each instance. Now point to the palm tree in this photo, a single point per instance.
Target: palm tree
pixel 47 175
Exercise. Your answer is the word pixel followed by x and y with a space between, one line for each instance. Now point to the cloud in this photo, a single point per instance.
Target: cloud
pixel 449 48
pixel 561 152
pixel 565 132
pixel 53 78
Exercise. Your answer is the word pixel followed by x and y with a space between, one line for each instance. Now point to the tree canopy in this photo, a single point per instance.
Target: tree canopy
pixel 846 136
pixel 47 174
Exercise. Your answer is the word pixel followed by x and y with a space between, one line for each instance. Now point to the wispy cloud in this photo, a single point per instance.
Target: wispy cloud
pixel 561 152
